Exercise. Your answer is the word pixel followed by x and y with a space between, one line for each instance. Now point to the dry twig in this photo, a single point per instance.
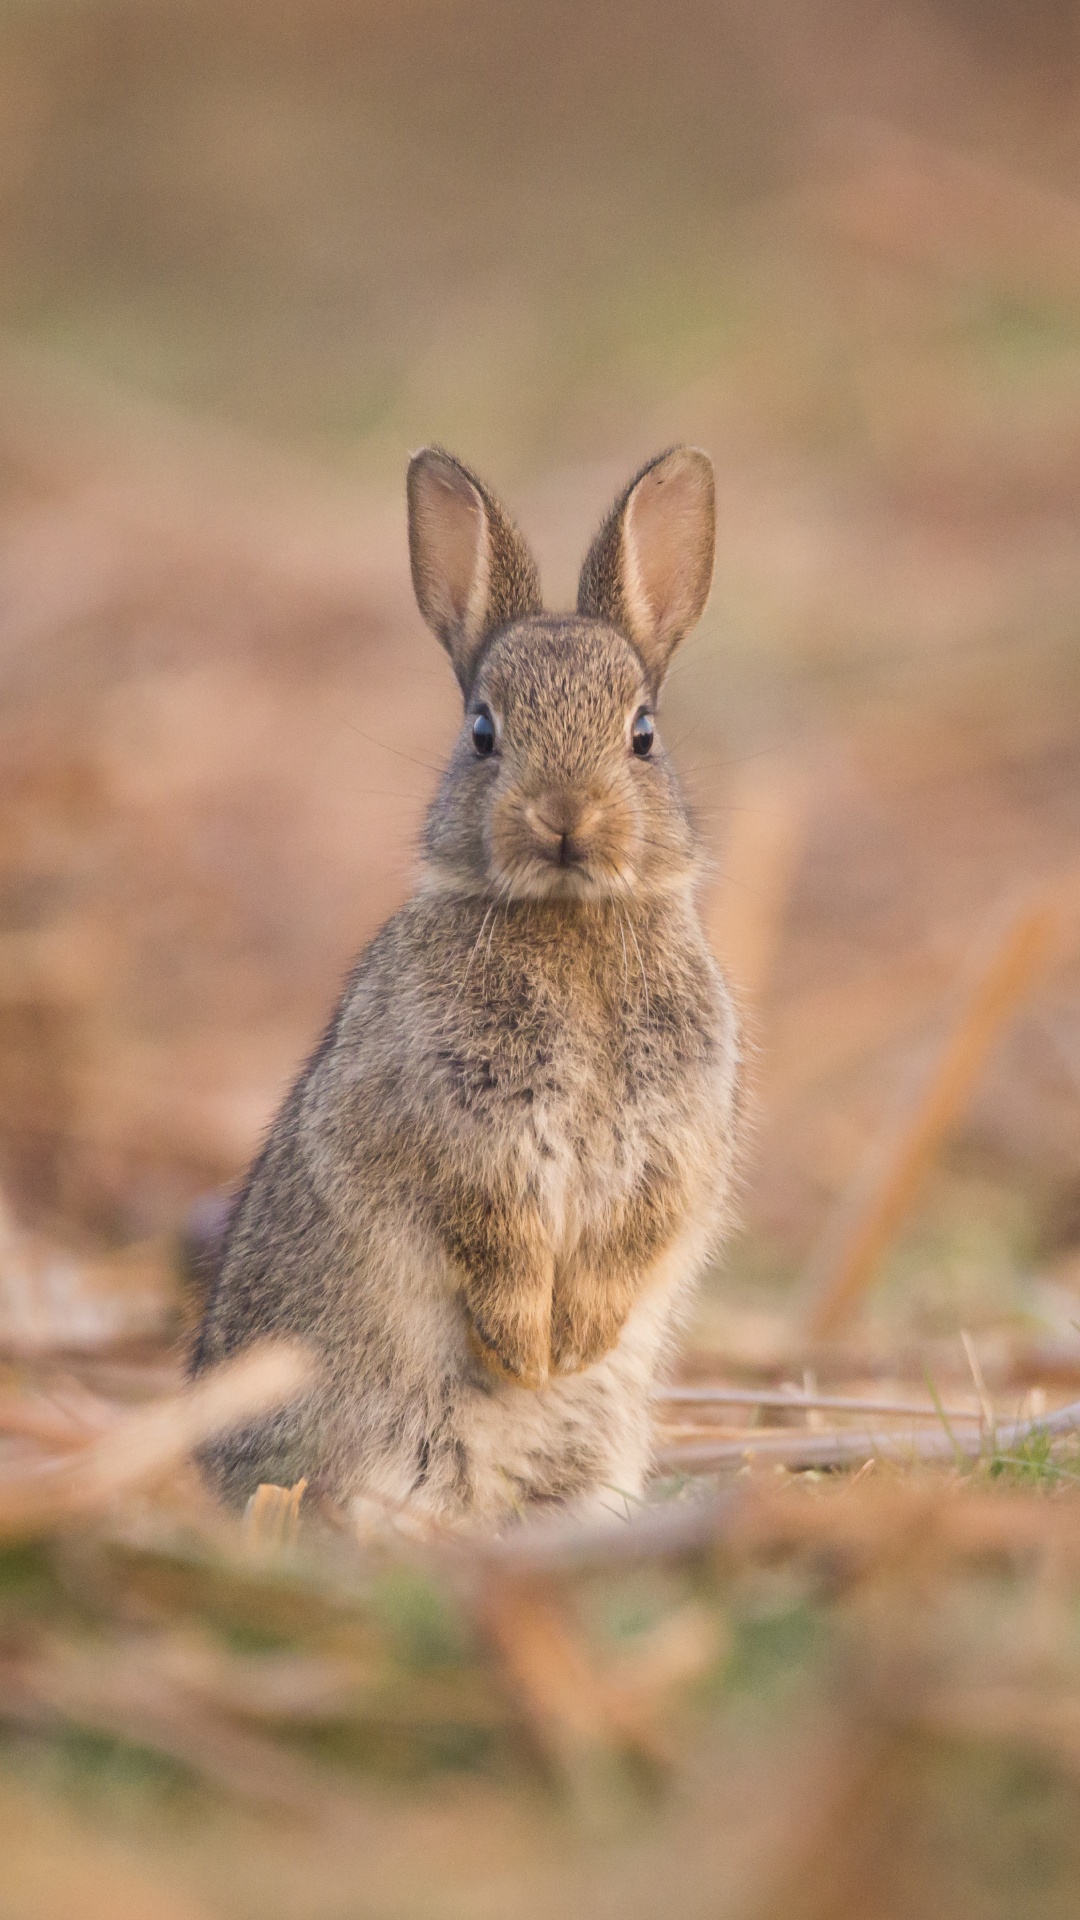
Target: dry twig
pixel 145 1445
pixel 127 1692
pixel 272 1515
pixel 800 1448
pixel 577 1714
pixel 794 1397
pixel 867 1217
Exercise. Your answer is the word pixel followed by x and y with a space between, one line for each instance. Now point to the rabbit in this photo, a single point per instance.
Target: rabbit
pixel 485 1201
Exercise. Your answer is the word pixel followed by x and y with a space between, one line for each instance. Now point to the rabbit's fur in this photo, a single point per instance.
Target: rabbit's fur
pixel 487 1195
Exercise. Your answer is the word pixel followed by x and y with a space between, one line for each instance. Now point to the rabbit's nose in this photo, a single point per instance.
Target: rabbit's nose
pixel 562 822
pixel 561 812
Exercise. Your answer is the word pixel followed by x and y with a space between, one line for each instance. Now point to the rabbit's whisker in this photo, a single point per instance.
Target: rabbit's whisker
pixel 625 957
pixel 387 748
pixel 502 902
pixel 637 948
pixel 474 950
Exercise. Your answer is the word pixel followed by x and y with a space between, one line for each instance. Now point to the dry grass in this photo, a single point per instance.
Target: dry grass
pixel 595 1713
pixel 829 1670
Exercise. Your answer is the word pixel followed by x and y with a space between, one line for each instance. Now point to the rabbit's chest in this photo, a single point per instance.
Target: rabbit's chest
pixel 574 1085
pixel 584 1113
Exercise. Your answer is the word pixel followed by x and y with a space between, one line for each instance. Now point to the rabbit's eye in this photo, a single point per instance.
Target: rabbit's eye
pixel 483 733
pixel 642 734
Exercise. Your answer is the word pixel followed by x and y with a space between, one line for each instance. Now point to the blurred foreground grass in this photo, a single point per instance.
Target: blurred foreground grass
pixel 798 1695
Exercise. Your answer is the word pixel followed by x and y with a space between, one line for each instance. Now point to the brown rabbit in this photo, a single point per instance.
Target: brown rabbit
pixel 486 1198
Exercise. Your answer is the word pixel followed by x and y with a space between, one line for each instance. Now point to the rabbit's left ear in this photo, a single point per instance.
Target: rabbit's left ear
pixel 472 572
pixel 649 570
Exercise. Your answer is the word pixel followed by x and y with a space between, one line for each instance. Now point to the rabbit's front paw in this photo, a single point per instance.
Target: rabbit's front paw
pixel 513 1346
pixel 588 1317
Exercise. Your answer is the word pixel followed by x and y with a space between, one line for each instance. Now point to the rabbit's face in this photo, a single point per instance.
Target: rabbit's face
pixel 559 786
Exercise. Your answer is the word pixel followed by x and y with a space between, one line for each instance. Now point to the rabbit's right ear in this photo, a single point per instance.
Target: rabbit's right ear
pixel 471 569
pixel 649 570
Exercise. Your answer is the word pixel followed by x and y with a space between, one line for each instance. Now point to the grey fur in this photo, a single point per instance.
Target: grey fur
pixel 485 1200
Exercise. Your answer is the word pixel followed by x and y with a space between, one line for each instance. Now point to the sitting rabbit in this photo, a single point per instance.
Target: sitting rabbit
pixel 485 1199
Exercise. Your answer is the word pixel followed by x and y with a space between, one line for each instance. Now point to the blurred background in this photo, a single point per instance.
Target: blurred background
pixel 254 252
pixel 251 256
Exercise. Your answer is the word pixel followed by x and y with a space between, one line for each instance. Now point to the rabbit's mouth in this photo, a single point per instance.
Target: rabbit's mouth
pixel 565 840
pixel 563 845
pixel 586 878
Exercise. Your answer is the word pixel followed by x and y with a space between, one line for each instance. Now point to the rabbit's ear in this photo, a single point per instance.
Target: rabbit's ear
pixel 471 569
pixel 649 570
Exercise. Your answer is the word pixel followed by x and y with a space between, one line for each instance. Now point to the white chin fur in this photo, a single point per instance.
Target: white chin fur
pixel 540 880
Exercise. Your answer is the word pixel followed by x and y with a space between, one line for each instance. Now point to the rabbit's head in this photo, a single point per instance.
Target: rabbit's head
pixel 558 785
